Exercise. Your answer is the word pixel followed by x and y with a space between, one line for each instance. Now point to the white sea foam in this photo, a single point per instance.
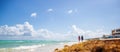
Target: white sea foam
pixel 61 43
pixel 29 47
pixel 19 41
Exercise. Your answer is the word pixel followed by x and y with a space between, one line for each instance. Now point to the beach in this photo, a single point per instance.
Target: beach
pixel 45 46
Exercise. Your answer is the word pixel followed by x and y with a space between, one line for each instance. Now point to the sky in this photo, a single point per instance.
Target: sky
pixel 57 19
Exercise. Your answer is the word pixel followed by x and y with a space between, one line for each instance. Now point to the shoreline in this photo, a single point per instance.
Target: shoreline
pixel 37 48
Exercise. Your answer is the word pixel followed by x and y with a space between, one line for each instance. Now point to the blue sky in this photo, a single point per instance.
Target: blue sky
pixel 59 16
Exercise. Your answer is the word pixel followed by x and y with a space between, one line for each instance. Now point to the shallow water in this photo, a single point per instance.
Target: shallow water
pixel 28 45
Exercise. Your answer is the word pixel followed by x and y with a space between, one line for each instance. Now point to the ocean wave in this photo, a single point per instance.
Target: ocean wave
pixel 29 47
pixel 19 41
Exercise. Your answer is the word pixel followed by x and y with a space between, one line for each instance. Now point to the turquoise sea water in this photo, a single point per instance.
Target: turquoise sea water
pixel 18 43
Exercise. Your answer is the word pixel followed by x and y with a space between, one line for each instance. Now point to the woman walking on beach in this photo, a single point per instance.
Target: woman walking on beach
pixel 79 38
pixel 82 38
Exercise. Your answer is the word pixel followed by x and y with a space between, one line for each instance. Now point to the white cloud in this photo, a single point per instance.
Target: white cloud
pixel 34 14
pixel 26 29
pixel 50 10
pixel 87 33
pixel 70 11
pixel 77 30
pixel 18 29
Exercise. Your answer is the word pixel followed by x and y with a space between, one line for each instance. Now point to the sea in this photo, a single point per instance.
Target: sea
pixel 26 45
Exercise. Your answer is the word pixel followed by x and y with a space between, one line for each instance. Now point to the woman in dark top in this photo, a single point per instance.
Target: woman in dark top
pixel 79 38
pixel 82 38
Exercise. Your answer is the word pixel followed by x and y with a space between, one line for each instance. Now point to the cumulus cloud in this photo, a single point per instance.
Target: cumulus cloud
pixel 50 10
pixel 27 30
pixel 77 30
pixel 33 14
pixel 87 33
pixel 18 29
